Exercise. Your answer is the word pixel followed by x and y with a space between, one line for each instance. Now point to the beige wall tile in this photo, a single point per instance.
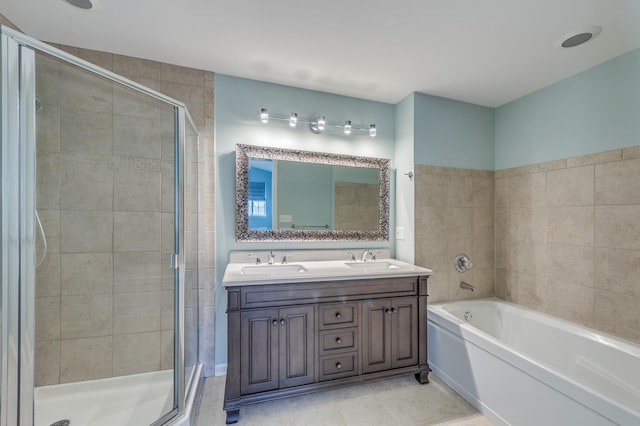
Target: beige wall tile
pixel 47 125
pixel 572 302
pixel 431 225
pixel 86 359
pixel 47 366
pixel 570 263
pixel 618 227
pixel 618 182
pixel 48 275
pixel 167 190
pixel 86 316
pixel 570 225
pixel 528 257
pixel 86 131
pixel 460 191
pixel 482 253
pixel 136 312
pixel 134 68
pixel 167 350
pixel 102 59
pixel 137 137
pixel 502 223
pixel 138 271
pixel 483 192
pixel 482 222
pixel 135 231
pixel 617 270
pixel 629 153
pixel 47 318
pixel 432 190
pixel 459 223
pixel 183 75
pixel 86 231
pixel 167 310
pixel 502 255
pixel 85 186
pixel 87 273
pixel 192 96
pixel 82 91
pixel 618 314
pixel 571 187
pixel 528 224
pixel 48 184
pixel 137 190
pixel 136 353
pixel 528 190
pixel 504 285
pixel 530 290
pixel 133 104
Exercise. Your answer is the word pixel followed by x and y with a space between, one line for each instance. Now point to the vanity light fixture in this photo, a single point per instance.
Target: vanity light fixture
pixel 317 125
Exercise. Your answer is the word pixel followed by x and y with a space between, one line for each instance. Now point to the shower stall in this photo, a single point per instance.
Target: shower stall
pixel 100 250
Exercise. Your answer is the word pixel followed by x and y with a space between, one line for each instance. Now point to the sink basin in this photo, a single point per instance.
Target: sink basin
pixel 272 269
pixel 371 266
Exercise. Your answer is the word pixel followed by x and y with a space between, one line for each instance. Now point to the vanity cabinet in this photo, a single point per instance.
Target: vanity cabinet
pixel 389 333
pixel 277 348
pixel 292 338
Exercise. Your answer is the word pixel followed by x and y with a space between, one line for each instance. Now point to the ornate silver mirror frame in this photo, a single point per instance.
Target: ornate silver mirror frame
pixel 244 234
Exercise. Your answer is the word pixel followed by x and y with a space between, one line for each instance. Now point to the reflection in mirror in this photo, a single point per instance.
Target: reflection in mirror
pixel 287 195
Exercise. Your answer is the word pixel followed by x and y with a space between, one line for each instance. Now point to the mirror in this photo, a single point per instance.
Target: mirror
pixel 290 195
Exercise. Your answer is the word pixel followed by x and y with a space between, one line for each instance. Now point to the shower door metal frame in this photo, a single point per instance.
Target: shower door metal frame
pixel 17 87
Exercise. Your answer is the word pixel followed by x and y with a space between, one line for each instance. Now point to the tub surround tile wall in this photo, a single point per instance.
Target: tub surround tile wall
pixel 568 239
pixel 455 214
pixel 120 321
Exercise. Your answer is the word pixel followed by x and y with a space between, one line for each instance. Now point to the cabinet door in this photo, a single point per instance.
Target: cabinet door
pixel 404 332
pixel 376 335
pixel 297 348
pixel 259 350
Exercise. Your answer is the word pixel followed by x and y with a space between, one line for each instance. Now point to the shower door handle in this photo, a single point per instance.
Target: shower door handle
pixel 173 261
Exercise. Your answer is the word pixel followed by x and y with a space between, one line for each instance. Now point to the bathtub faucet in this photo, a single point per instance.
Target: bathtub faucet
pixel 467 286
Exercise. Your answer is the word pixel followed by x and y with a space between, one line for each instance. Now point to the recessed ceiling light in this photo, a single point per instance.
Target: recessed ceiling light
pixel 578 37
pixel 82 4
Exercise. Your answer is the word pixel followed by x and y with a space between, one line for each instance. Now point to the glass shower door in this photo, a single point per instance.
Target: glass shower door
pixel 105 296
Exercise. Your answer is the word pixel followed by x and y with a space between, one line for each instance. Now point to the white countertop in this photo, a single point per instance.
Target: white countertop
pixel 242 274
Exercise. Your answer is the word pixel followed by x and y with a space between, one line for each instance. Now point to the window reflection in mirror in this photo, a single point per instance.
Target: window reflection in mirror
pixel 305 196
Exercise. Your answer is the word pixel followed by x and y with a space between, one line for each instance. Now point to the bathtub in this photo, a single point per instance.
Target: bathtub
pixel 521 367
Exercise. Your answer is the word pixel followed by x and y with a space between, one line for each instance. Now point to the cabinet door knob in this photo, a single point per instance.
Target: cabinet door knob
pixel 338 365
pixel 387 311
pixel 394 310
pixel 339 341
pixel 274 322
pixel 338 315
pixel 282 321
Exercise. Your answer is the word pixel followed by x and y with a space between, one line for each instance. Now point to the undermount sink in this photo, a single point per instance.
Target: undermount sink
pixel 371 266
pixel 272 269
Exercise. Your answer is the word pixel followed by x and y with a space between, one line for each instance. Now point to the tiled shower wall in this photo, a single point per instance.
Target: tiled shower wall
pixel 568 239
pixel 84 331
pixel 454 214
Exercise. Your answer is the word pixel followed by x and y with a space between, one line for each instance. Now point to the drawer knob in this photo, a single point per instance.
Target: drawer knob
pixel 394 310
pixel 387 311
pixel 282 321
pixel 274 322
pixel 338 365
pixel 339 341
pixel 338 315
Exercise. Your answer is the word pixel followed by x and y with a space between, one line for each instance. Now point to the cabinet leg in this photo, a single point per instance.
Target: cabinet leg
pixel 233 416
pixel 423 377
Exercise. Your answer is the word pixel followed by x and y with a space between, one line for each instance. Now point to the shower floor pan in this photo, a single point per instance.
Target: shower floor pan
pixel 134 400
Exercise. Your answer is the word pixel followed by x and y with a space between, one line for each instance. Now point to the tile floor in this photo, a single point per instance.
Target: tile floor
pixel 389 402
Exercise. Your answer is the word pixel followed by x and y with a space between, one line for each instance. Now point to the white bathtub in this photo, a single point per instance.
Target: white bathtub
pixel 522 367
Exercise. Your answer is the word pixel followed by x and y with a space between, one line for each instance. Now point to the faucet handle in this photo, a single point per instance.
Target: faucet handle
pixel 353 258
pixel 258 261
pixel 284 259
pixel 373 256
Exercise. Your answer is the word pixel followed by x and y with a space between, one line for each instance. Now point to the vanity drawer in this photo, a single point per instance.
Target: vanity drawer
pixel 337 315
pixel 339 340
pixel 337 366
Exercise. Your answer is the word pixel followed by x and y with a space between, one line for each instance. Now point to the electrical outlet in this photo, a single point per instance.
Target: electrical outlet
pixel 286 218
pixel 399 232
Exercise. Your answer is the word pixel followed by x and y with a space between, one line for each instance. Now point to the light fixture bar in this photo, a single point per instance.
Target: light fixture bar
pixel 317 125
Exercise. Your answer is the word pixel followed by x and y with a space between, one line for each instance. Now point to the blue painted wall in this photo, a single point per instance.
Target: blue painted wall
pixel 596 110
pixel 237 104
pixel 451 133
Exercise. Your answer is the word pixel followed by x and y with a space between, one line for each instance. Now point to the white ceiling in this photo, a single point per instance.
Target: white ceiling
pixel 487 52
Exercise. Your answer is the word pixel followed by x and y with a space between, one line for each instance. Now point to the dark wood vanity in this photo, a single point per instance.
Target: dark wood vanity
pixel 292 338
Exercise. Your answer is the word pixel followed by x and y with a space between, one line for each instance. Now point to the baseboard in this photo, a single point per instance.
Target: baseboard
pixel 220 370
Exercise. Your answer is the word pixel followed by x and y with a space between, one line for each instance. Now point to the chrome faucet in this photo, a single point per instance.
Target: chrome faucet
pixel 353 258
pixel 467 286
pixel 366 253
pixel 272 256
pixel 258 261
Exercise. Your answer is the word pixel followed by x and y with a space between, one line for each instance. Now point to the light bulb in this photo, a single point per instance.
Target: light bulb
pixel 372 130
pixel 321 123
pixel 264 115
pixel 293 120
pixel 347 127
